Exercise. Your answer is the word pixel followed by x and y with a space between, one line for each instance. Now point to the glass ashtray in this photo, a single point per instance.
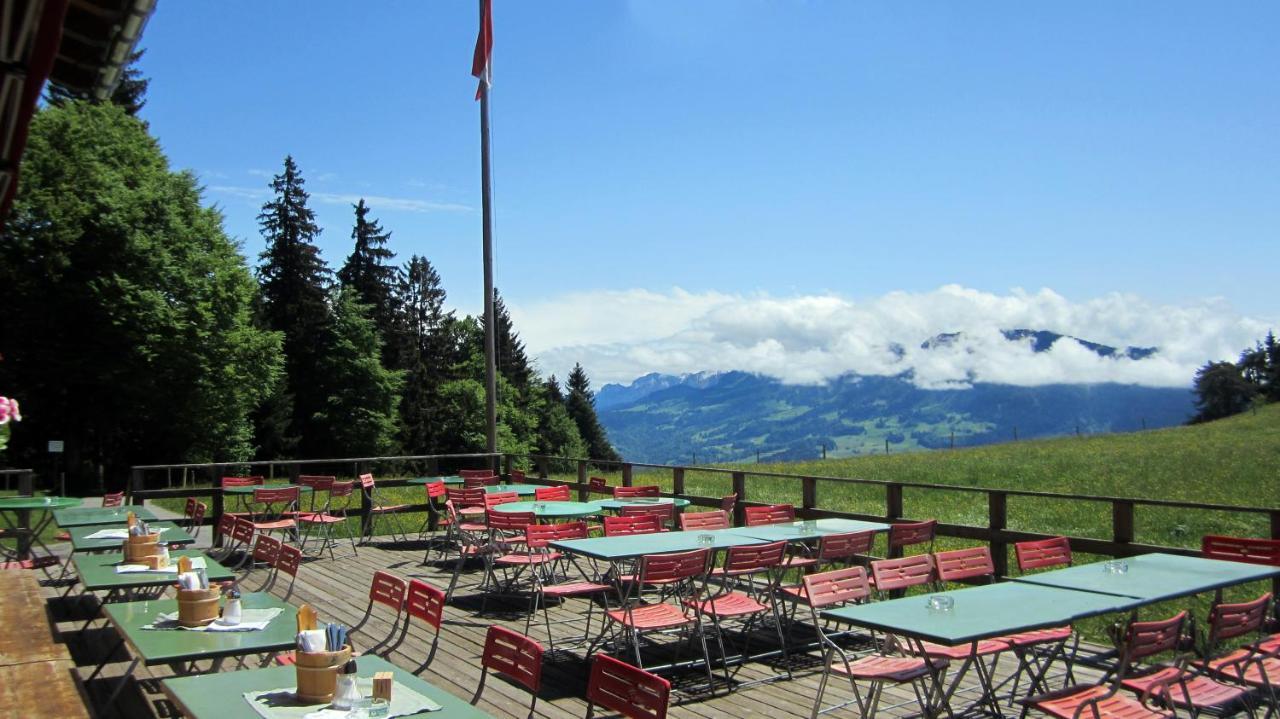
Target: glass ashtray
pixel 941 603
pixel 1115 566
pixel 706 540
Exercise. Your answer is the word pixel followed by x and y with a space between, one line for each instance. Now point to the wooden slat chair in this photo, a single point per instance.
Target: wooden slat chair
pixel 243 499
pixel 265 554
pixel 242 539
pixel 378 508
pixel 1051 553
pixel 289 561
pixel 469 501
pixel 746 591
pixel 194 515
pixel 436 494
pixel 715 519
pixel 319 484
pixel 331 516
pixel 388 590
pixel 885 665
pixel 510 554
pixel 469 473
pixel 493 499
pixel 567 579
pixel 426 603
pixel 769 514
pixel 491 480
pixel 646 490
pixel 558 493
pixel 1255 666
pixel 638 524
pixel 664 512
pixel 598 485
pixel 223 531
pixel 471 542
pixel 681 574
pixel 910 534
pixel 517 476
pixel 1241 549
pixel 627 690
pixel 834 551
pixel 514 656
pixel 276 510
pixel 114 499
pixel 1105 701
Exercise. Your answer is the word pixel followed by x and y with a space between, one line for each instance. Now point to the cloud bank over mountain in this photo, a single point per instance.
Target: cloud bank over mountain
pixel 808 339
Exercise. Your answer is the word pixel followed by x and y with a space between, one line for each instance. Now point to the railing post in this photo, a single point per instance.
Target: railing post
pixel 294 470
pixel 893 511
pixel 433 466
pixel 677 480
pixel 544 467
pixel 366 513
pixel 626 474
pixel 583 492
pixel 217 510
pixel 135 486
pixel 1275 534
pixel 507 463
pixel 997 520
pixel 1122 523
pixel 26 482
pixel 740 489
pixel 808 494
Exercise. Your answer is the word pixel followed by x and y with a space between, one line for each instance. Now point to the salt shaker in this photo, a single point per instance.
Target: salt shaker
pixel 347 694
pixel 231 612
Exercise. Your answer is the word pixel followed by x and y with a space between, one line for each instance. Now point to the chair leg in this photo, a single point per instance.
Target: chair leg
pixel 480 689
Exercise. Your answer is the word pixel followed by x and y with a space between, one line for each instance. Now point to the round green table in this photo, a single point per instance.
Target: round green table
pixel 16 513
pixel 551 510
pixel 617 504
pixel 450 480
pixel 29 503
pixel 524 490
pixel 249 488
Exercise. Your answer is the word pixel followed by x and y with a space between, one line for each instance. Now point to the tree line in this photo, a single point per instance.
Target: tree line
pixel 1226 388
pixel 135 331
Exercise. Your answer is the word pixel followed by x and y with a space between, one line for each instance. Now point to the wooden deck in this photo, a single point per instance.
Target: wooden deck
pixel 338 590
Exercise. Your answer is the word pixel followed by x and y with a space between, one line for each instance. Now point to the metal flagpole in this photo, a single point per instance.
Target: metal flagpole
pixel 486 188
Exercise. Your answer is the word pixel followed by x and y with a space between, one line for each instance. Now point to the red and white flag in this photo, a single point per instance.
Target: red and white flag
pixel 482 61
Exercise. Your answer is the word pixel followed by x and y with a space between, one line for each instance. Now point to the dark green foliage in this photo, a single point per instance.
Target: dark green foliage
pixel 1261 367
pixel 582 410
pixel 426 352
pixel 510 357
pixel 1221 391
pixel 128 327
pixel 130 94
pixel 369 273
pixel 557 432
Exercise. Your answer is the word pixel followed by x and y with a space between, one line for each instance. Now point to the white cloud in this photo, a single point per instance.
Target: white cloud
pixel 619 335
pixel 243 193
pixel 376 202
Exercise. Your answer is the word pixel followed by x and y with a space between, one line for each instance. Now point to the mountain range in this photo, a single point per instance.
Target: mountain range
pixel 730 416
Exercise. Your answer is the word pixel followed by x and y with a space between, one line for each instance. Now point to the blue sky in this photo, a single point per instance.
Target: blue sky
pixel 1116 155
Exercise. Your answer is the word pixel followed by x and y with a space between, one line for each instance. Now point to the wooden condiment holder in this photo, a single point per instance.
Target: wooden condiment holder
pixel 139 546
pixel 197 607
pixel 318 674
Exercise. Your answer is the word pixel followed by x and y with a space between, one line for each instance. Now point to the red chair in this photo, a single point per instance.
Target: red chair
pixel 436 494
pixel 598 485
pixel 509 552
pixel 1140 640
pixel 425 602
pixel 622 688
pixel 1255 666
pixel 907 534
pixel 493 499
pixel 681 575
pixel 514 656
pixel 329 518
pixel 378 508
pixel 558 584
pixel 472 542
pixel 748 584
pixel 388 590
pixel 843 586
pixel 1054 552
pixel 834 549
pixel 289 560
pixel 468 501
pixel 889 575
pixel 115 499
pixel 276 508
pixel 623 526
pixel 665 512
pixel 491 480
pixel 194 514
pixel 727 503
pixel 241 481
pixel 469 473
pixel 224 533
pixel 1241 549
pixel 648 490
pixel 266 552
pixel 715 519
pixel 769 514
pixel 558 493
pixel 318 483
pixel 242 537
pixel 517 476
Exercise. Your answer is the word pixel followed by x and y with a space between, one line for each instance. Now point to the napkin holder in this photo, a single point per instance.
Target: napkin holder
pixel 318 674
pixel 156 561
pixel 197 607
pixel 139 546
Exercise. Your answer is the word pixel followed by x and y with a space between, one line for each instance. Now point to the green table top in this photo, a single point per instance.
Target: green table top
pixel 159 646
pixel 20 504
pixel 551 509
pixel 1154 577
pixel 981 612
pixel 98 571
pixel 88 516
pixel 524 490
pixel 248 489
pixel 81 543
pixel 220 695
pixel 635 545
pixel 616 504
pixel 428 480
pixel 804 531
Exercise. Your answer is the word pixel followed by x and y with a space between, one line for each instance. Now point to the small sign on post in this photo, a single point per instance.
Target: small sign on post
pixel 55 446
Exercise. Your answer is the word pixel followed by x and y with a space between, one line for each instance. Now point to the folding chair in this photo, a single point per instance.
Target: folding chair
pixel 114 499
pixel 517 477
pixel 493 499
pixel 266 552
pixel 647 490
pixel 1256 666
pixel 1054 552
pixel 388 590
pixel 471 473
pixel 289 560
pixel 623 526
pixel 834 549
pixel 1105 701
pixel 319 485
pixel 556 583
pixel 276 510
pixel 665 512
pixel 622 688
pixel 329 517
pixel 491 480
pixel 377 508
pixel 514 656
pixel 1241 549
pixel 225 532
pixel 436 493
pixel 241 499
pixel 468 501
pixel 425 602
pixel 728 502
pixel 242 535
pixel 598 485
pixel 558 493
pixel 770 514
pixel 715 519
pixel 472 543
pixel 194 516
pixel 742 596
pixel 883 666
pixel 510 553
pixel 909 534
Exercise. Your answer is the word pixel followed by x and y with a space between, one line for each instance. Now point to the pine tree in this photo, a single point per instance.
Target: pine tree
pixel 130 93
pixel 368 271
pixel 581 404
pixel 295 283
pixel 557 432
pixel 511 359
pixel 425 352
pixel 1221 391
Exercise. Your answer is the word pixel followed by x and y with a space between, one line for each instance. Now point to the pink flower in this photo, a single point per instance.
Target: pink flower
pixel 9 410
pixel 13 409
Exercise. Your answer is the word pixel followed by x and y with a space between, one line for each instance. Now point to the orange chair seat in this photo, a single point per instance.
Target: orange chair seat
pixel 894 669
pixel 1119 706
pixel 651 616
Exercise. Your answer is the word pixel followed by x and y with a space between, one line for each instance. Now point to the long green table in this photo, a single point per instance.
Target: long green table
pixel 635 545
pixel 89 516
pixel 97 572
pixel 80 541
pixel 448 480
pixel 550 510
pixel 1154 577
pixel 808 530
pixel 617 504
pixel 221 696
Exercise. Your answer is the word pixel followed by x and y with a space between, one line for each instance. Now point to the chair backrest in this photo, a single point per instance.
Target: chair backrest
pixel 114 499
pixel 728 502
pixel 517 476
pixel 366 482
pixel 227 525
pixel 197 515
pixel 338 490
pixel 538 535
pixel 960 564
pixel 266 549
pixel 622 526
pixel 751 558
pixel 673 567
pixel 1227 621
pixel 493 499
pixel 627 690
pixel 891 574
pixel 509 521
pixel 490 481
pixel 388 589
pixel 558 493
pixel 317 482
pixel 769 514
pixel 436 489
pixel 647 490
pixel 425 602
pixel 846 545
pixel 1143 639
pixel 513 655
pixel 1241 549
pixel 289 559
pixel 905 534
pixel 1042 553
pixel 242 481
pixel 837 587
pixel 597 484
pixel 715 519
pixel 190 509
pixel 465 473
pixel 466 497
pixel 664 512
pixel 242 531
pixel 275 495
